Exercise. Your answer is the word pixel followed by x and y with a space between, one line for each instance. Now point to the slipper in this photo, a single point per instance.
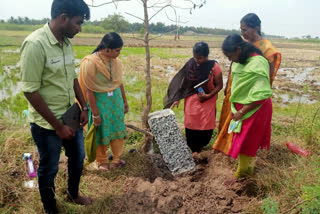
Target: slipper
pixel 230 182
pixel 81 200
pixel 194 154
pixel 120 164
pixel 103 167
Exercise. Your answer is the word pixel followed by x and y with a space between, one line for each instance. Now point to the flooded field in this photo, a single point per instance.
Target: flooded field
pixel 297 81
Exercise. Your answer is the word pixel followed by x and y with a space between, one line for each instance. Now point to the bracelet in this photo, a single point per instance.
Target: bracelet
pixel 85 108
pixel 241 111
pixel 95 117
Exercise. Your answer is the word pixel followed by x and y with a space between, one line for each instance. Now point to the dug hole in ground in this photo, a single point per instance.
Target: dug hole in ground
pixel 199 191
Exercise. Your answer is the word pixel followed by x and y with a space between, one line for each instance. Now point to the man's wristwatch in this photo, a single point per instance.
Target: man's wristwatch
pixel 85 108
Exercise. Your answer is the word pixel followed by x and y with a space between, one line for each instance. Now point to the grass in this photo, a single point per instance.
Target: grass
pixel 15 140
pixel 317 41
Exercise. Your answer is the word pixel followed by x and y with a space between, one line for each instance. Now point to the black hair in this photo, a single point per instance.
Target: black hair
pixel 201 49
pixel 70 7
pixel 234 41
pixel 252 21
pixel 111 40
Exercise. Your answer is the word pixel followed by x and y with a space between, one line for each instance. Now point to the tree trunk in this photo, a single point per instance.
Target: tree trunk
pixel 148 141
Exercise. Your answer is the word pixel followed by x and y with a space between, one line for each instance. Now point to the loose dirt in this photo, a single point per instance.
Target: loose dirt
pixel 200 191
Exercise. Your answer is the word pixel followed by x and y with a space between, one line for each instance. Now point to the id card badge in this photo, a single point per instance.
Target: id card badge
pixel 110 94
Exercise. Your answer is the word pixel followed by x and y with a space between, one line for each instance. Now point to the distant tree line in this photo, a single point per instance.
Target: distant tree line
pixel 25 21
pixel 119 24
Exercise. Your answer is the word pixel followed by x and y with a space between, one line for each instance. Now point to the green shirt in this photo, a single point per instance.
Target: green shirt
pixel 48 68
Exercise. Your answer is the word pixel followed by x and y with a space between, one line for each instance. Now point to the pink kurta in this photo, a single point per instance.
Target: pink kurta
pixel 201 116
pixel 255 131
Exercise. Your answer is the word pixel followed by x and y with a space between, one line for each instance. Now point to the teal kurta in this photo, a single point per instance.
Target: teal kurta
pixel 111 110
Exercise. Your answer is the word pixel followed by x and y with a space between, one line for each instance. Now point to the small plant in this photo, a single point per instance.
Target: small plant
pixel 269 206
pixel 135 137
pixel 311 196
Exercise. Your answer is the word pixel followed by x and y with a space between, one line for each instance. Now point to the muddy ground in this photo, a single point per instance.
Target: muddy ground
pixel 204 190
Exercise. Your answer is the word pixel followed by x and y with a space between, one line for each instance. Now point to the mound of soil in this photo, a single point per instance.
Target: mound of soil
pixel 200 191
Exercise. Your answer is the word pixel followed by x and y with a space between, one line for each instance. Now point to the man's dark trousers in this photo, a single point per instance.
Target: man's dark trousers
pixel 49 148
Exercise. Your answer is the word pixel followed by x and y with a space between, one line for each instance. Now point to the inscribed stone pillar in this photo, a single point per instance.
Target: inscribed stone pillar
pixel 172 145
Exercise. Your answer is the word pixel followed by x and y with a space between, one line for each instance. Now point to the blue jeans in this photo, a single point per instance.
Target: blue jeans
pixel 49 147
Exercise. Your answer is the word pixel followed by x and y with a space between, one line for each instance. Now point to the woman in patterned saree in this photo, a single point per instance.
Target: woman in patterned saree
pixel 251 31
pixel 100 79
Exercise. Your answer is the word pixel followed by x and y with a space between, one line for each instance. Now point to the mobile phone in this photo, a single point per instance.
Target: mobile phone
pixel 200 90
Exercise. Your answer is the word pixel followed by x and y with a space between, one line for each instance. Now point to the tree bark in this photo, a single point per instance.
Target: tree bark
pixel 148 141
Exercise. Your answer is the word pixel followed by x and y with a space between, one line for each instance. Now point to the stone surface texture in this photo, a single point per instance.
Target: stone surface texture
pixel 173 147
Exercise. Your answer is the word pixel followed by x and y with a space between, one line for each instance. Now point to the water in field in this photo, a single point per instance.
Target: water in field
pixel 9 84
pixel 300 75
pixel 290 83
pixel 285 99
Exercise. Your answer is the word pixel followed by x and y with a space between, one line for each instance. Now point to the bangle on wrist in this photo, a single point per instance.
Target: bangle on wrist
pixel 85 108
pixel 95 117
pixel 241 111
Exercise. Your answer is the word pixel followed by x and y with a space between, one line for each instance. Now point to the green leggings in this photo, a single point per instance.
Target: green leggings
pixel 245 166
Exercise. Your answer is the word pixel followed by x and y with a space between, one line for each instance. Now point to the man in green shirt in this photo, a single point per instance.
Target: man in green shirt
pixel 50 84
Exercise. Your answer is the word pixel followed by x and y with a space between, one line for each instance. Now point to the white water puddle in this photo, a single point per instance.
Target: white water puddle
pixel 12 51
pixel 77 62
pixel 77 65
pixel 8 87
pixel 131 80
pixel 10 90
pixel 170 71
pixel 295 99
pixel 224 79
pixel 135 95
pixel 299 76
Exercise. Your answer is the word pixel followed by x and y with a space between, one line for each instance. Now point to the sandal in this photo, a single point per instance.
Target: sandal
pixel 120 164
pixel 81 200
pixel 230 182
pixel 194 154
pixel 103 167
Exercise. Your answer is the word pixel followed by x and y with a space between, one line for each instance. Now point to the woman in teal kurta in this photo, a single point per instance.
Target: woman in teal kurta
pixel 111 110
pixel 100 79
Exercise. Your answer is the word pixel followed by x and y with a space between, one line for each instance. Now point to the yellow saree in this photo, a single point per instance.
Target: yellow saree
pixel 99 73
pixel 224 140
pixel 272 54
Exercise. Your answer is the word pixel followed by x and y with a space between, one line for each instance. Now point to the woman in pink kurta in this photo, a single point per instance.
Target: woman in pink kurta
pixel 199 107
